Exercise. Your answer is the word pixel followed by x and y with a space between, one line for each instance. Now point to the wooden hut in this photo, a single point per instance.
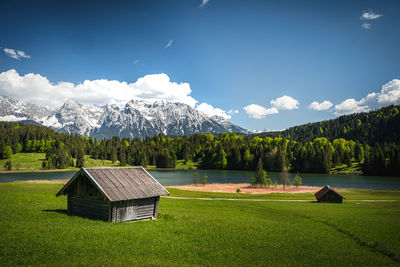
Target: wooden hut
pixel 328 194
pixel 113 194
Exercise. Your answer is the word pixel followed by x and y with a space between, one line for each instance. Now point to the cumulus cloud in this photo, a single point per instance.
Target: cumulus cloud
pixel 285 102
pixel 259 112
pixel 350 106
pixel 211 111
pixel 203 3
pixel 16 54
pixel 366 26
pixel 370 15
pixel 169 44
pixel 325 105
pixel 35 88
pixel 389 94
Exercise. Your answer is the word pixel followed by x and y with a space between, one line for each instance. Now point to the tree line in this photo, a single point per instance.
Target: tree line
pixel 225 151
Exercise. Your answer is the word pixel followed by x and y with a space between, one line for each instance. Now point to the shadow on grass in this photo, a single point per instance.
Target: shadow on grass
pixel 57 210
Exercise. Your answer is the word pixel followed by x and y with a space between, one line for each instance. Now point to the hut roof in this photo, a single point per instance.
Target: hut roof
pixel 119 184
pixel 324 190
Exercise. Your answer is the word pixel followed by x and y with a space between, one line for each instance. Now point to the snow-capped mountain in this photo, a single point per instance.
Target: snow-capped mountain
pixel 135 119
pixel 75 118
pixel 15 110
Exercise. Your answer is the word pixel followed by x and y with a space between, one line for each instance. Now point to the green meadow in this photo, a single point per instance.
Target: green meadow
pixel 33 162
pixel 35 230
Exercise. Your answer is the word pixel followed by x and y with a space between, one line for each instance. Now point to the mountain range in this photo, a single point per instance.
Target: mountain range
pixel 136 119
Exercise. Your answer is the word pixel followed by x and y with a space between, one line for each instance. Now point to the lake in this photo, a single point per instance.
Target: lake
pixel 183 177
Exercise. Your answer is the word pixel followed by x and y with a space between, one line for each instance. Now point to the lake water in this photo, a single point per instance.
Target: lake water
pixel 183 177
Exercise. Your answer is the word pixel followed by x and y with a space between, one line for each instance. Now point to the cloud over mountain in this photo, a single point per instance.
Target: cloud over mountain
pixel 37 89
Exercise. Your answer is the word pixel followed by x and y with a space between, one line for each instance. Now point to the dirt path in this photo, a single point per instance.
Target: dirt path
pixel 247 188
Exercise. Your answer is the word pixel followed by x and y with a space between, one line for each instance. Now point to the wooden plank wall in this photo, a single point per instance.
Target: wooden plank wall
pixel 88 207
pixel 145 209
pixel 133 210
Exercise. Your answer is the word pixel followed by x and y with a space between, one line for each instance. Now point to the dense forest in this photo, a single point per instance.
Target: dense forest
pixel 379 126
pixel 226 151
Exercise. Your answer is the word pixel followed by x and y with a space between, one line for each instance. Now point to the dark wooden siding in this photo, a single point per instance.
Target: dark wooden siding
pixel 132 210
pixel 146 208
pixel 85 200
pixel 89 207
pixel 330 197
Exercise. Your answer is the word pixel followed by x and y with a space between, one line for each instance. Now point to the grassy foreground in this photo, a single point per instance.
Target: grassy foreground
pixel 35 230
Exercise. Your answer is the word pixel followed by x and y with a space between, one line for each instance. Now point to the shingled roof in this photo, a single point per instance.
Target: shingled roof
pixel 119 184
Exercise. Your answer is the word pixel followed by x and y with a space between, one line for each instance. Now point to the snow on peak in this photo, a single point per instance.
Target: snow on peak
pixel 138 118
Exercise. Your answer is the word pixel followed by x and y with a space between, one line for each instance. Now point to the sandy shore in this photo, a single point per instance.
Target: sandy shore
pixel 247 188
pixel 43 181
pixel 225 188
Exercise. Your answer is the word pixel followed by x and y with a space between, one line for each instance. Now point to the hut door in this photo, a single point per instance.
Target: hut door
pixel 127 210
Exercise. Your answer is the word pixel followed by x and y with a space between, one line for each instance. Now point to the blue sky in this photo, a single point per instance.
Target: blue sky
pixel 235 56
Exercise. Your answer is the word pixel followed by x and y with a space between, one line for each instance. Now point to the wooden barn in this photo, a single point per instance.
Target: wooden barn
pixel 328 194
pixel 113 194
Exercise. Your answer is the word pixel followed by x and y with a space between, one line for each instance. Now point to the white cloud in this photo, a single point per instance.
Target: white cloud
pixel 366 26
pixel 350 106
pixel 389 94
pixel 169 44
pixel 35 88
pixel 259 112
pixel 285 102
pixel 17 54
pixel 210 111
pixel 370 15
pixel 203 3
pixel 325 105
pixel 136 61
pixel 233 111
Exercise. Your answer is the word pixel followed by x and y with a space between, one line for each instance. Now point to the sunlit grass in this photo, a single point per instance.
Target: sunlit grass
pixel 35 230
pixel 23 161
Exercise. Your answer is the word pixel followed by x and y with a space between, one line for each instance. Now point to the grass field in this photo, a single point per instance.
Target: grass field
pixel 355 168
pixel 35 230
pixel 23 161
pixel 33 162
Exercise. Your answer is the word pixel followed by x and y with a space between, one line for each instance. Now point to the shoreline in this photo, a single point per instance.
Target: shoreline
pixel 147 169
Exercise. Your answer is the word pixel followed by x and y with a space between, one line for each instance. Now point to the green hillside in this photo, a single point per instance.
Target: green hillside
pixel 382 125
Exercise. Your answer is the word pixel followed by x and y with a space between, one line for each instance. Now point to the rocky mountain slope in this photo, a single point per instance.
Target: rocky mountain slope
pixel 135 119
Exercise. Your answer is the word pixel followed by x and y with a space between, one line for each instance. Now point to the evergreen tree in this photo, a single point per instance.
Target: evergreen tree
pixel 259 178
pixel 297 180
pixel 122 157
pixel 204 180
pixel 80 159
pixel 114 156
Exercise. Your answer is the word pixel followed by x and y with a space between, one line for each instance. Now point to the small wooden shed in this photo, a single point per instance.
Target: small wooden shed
pixel 113 194
pixel 328 194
